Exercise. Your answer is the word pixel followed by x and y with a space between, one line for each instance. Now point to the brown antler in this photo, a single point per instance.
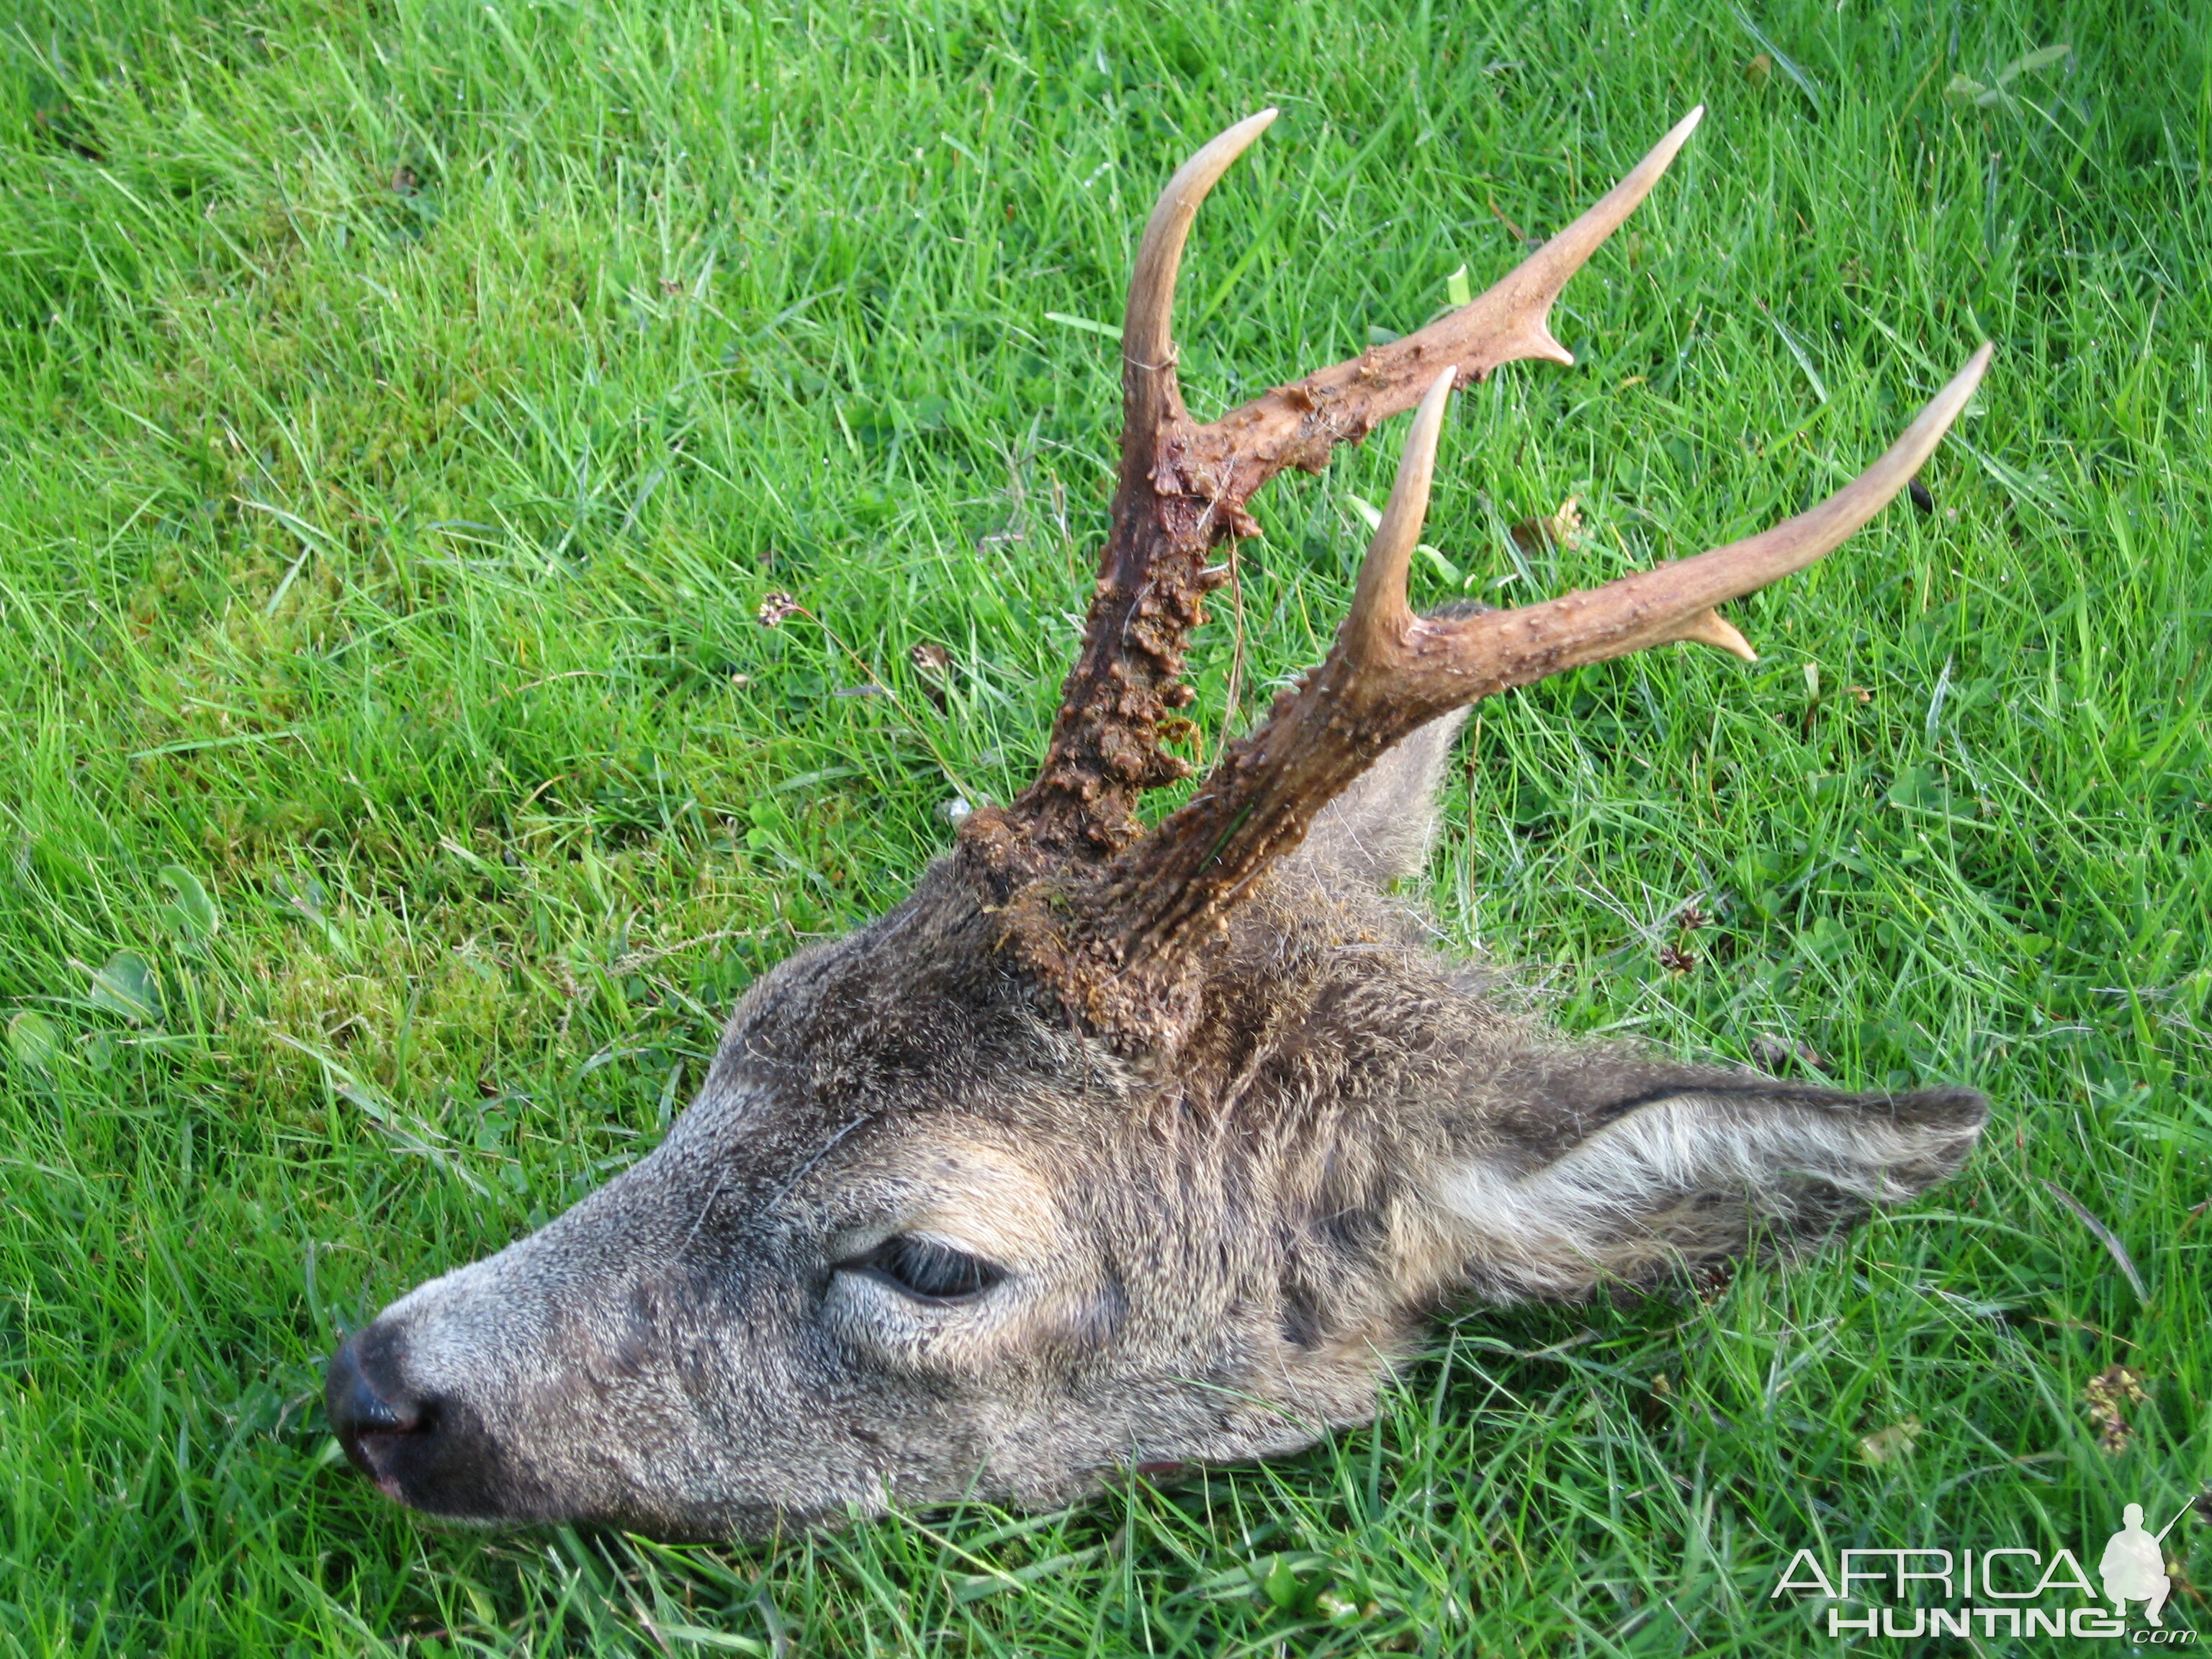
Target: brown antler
pixel 1099 911
pixel 1183 488
pixel 1391 672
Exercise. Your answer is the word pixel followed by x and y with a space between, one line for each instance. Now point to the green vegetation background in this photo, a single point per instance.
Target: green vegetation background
pixel 408 407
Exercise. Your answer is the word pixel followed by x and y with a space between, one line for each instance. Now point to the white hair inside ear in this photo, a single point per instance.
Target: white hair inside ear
pixel 1689 1168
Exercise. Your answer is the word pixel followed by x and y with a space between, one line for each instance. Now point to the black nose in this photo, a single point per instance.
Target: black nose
pixel 366 1411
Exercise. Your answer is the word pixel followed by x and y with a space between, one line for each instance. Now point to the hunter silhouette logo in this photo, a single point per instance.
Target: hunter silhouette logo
pixel 2133 1569
pixel 2006 1591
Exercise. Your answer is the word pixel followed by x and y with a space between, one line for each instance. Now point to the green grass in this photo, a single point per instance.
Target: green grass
pixel 407 407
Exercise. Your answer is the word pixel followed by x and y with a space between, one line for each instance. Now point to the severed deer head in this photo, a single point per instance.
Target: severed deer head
pixel 1116 1148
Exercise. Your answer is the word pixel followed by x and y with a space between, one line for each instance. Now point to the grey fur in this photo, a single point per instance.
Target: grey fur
pixel 1212 1255
pixel 1380 829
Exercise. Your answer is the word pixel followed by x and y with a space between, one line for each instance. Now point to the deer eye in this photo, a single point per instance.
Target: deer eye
pixel 926 1270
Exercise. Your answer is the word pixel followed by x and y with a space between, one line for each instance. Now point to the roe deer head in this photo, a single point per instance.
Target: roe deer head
pixel 1113 1147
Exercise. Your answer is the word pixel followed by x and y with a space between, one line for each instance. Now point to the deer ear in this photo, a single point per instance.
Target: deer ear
pixel 1380 829
pixel 1612 1167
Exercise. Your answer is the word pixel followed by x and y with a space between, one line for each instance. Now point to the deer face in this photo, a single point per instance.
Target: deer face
pixel 1113 1147
pixel 912 1242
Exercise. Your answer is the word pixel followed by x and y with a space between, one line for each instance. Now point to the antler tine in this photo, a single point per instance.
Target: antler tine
pixel 1523 300
pixel 1298 425
pixel 1391 672
pixel 1475 656
pixel 1380 611
pixel 1148 354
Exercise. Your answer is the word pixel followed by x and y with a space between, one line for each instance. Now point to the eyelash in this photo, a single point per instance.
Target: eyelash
pixel 927 1271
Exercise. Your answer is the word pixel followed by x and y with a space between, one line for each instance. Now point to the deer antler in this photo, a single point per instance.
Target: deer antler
pixel 1183 488
pixel 1102 912
pixel 1391 672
